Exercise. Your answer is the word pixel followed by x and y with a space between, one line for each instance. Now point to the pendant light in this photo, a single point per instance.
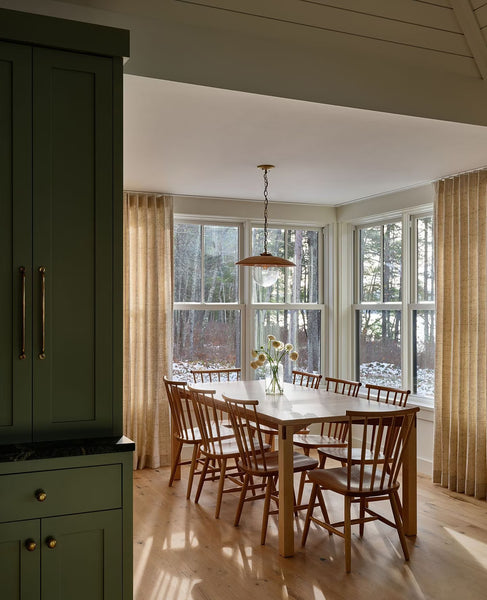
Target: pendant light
pixel 265 265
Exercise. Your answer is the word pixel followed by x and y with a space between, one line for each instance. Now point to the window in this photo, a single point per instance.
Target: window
pixel 290 309
pixel 395 317
pixel 207 314
pixel 213 328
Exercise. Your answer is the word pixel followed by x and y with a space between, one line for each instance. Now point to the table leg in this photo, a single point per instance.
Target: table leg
pixel 286 492
pixel 409 484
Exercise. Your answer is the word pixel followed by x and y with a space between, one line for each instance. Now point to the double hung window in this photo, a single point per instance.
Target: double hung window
pixel 394 311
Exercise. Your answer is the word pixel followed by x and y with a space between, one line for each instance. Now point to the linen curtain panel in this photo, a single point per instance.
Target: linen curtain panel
pixel 148 300
pixel 459 461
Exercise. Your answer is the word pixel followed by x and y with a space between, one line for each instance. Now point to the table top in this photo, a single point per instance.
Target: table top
pixel 298 405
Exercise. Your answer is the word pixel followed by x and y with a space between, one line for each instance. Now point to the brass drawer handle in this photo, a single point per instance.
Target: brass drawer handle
pixel 41 495
pixel 51 542
pixel 30 544
pixel 42 353
pixel 22 354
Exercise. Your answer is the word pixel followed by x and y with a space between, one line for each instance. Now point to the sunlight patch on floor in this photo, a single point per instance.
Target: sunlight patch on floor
pixel 476 549
pixel 142 563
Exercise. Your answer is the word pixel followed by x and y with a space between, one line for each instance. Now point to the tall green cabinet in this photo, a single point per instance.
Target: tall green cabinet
pixel 65 469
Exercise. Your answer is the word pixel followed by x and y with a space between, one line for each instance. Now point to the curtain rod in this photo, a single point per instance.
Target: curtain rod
pixel 478 169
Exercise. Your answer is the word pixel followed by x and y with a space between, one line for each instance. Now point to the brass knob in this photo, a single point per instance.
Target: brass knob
pixel 30 544
pixel 41 495
pixel 51 542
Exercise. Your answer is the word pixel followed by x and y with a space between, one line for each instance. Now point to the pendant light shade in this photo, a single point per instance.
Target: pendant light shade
pixel 265 265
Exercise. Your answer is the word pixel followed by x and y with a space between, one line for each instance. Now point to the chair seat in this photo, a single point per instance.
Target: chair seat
pixel 341 454
pixel 301 462
pixel 336 480
pixel 316 441
pixel 227 449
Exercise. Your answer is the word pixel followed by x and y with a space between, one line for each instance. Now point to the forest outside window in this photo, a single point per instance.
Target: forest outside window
pixel 207 313
pixel 395 316
pixel 291 310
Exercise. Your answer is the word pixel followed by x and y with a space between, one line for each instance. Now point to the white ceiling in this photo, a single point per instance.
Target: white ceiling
pixel 184 139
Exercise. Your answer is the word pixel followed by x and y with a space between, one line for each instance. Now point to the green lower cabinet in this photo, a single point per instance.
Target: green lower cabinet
pixel 20 560
pixel 86 559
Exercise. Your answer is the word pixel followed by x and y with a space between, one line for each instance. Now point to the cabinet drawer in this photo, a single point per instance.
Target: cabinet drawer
pixel 66 491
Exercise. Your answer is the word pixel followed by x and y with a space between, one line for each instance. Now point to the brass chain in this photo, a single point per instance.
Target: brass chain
pixel 266 202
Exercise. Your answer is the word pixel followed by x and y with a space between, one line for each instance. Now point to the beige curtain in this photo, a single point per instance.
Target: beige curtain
pixel 461 360
pixel 148 284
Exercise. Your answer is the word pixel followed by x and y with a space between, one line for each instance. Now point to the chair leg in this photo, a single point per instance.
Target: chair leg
pixel 309 512
pixel 243 494
pixel 202 479
pixel 321 501
pixel 348 534
pixel 192 469
pixel 363 504
pixel 175 463
pixel 394 496
pixel 221 484
pixel 301 487
pixel 265 515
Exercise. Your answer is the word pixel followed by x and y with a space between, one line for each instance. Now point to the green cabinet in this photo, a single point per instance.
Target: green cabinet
pixel 65 525
pixel 59 247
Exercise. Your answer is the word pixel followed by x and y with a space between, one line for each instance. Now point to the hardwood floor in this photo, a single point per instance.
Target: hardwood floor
pixel 182 552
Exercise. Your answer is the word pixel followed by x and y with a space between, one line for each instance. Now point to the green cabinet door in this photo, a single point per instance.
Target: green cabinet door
pixel 19 567
pixel 15 243
pixel 86 561
pixel 73 245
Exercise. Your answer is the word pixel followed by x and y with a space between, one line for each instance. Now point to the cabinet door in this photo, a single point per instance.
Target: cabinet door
pixel 73 207
pixel 87 559
pixel 19 567
pixel 15 243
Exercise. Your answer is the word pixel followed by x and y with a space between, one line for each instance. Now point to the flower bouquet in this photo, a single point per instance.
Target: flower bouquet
pixel 271 358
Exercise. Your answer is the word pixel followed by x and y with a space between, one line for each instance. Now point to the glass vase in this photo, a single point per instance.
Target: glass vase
pixel 274 378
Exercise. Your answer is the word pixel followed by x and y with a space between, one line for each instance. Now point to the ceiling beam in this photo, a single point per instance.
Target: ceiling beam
pixel 470 27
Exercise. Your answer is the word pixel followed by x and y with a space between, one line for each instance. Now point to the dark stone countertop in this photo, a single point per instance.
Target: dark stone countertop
pixel 61 448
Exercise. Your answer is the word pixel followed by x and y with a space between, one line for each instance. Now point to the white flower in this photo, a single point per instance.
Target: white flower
pixel 289 347
pixel 271 338
pixel 255 353
pixel 294 355
pixel 276 344
pixel 262 358
pixel 254 364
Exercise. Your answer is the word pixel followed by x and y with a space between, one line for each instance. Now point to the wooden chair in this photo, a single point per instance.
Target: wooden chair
pixel 214 375
pixel 185 429
pixel 216 447
pixel 389 395
pixel 255 462
pixel 332 435
pixel 372 475
pixel 379 393
pixel 311 380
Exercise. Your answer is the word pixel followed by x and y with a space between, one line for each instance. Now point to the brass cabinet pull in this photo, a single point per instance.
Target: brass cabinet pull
pixel 51 542
pixel 42 353
pixel 30 544
pixel 22 355
pixel 40 495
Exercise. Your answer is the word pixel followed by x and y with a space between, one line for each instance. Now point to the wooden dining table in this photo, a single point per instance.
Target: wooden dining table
pixel 300 406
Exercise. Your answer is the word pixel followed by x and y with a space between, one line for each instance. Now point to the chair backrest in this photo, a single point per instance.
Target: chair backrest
pixel 389 395
pixel 209 419
pixel 342 386
pixel 246 428
pixel 182 415
pixel 311 380
pixel 339 430
pixel 383 438
pixel 214 375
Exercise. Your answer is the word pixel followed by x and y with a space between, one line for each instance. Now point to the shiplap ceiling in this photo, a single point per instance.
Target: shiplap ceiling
pixel 292 66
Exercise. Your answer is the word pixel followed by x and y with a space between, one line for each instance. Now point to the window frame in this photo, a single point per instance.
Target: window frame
pixel 245 305
pixel 409 302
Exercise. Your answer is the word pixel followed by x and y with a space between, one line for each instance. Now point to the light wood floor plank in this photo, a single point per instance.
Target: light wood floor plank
pixel 182 552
